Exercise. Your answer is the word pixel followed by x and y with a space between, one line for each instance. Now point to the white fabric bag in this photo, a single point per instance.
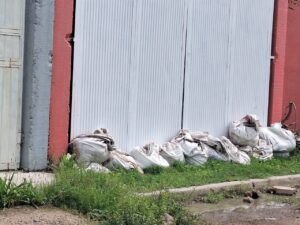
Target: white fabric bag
pixel 281 139
pixel 96 167
pixel 233 153
pixel 148 156
pixel 245 131
pixel 90 150
pixel 193 152
pixel 172 152
pixel 120 159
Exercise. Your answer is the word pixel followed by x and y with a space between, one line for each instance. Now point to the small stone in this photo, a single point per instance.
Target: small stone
pixel 256 194
pixel 281 190
pixel 248 200
pixel 168 219
pixel 270 218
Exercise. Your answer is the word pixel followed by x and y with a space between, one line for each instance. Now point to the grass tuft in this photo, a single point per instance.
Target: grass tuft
pixel 23 194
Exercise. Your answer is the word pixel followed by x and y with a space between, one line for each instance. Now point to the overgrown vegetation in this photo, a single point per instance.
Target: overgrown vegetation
pixel 111 198
pixel 216 197
pixel 23 194
pixel 105 198
pixel 182 175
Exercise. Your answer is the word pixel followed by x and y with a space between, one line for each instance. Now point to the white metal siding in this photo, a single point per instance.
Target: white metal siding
pixel 130 73
pixel 128 69
pixel 11 60
pixel 155 101
pixel 228 63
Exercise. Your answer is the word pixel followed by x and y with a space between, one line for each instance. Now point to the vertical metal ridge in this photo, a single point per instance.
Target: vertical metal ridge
pixel 129 66
pixel 128 69
pixel 228 68
pixel 101 67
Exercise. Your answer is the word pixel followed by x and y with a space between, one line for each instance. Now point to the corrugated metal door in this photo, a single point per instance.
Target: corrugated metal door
pixel 135 59
pixel 11 60
pixel 228 62
pixel 128 69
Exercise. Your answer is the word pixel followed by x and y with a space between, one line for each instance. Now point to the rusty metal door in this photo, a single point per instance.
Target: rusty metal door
pixel 12 16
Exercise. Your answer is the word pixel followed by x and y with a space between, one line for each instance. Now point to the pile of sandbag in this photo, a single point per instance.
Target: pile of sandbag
pixel 97 152
pixel 193 148
pixel 204 146
pixel 261 142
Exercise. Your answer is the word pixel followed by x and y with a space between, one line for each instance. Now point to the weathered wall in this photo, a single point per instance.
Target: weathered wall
pixel 37 81
pixel 278 63
pixel 292 64
pixel 61 78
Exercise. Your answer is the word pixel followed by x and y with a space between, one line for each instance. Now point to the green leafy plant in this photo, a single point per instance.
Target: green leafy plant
pixel 22 194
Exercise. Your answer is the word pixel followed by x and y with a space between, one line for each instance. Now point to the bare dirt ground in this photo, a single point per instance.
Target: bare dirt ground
pixel 284 215
pixel 41 216
pixel 267 210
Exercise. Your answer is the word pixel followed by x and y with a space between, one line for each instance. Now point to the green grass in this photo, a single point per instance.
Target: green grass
pixel 23 194
pixel 182 175
pixel 111 198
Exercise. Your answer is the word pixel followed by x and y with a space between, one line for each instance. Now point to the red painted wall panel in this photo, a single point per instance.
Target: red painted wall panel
pixel 292 63
pixel 61 78
pixel 278 64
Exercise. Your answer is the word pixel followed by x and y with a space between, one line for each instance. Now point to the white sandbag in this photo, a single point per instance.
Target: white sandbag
pixel 90 150
pixel 172 152
pixel 233 153
pixel 281 139
pixel 148 156
pixel 262 151
pixel 193 152
pixel 215 155
pixel 96 167
pixel 245 131
pixel 196 157
pixel 123 160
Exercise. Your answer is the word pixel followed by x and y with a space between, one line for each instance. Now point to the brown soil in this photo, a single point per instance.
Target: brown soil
pixel 41 216
pixel 266 216
pixel 267 210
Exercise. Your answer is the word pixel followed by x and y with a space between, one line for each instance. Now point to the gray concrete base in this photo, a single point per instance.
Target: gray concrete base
pixel 37 178
pixel 290 180
pixel 37 83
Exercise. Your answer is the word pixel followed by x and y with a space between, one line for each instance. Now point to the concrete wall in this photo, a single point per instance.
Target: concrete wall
pixel 37 82
pixel 292 64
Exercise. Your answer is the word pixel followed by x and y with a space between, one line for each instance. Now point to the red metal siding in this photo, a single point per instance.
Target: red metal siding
pixel 278 64
pixel 292 63
pixel 61 78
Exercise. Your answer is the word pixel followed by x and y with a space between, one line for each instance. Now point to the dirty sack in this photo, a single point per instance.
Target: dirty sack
pixel 262 151
pixel 118 159
pixel 208 144
pixel 148 156
pixel 172 152
pixel 220 148
pixel 96 167
pixel 245 131
pixel 92 148
pixel 193 152
pixel 282 140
